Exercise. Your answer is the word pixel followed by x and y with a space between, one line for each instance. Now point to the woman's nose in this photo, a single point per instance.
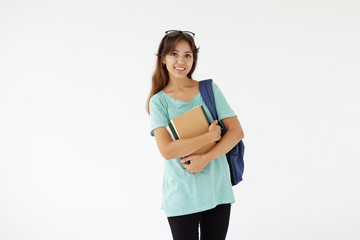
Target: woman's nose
pixel 180 59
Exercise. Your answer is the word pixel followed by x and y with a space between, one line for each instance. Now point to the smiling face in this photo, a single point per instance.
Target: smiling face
pixel 180 60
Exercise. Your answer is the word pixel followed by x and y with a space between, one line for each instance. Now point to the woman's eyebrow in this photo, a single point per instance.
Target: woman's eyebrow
pixel 185 51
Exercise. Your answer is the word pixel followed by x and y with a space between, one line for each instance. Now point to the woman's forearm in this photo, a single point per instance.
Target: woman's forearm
pixel 227 142
pixel 186 146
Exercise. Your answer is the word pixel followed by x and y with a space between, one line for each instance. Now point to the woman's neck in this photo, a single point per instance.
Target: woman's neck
pixel 179 83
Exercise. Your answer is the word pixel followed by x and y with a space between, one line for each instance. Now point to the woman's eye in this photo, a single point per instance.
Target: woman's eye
pixel 174 54
pixel 188 55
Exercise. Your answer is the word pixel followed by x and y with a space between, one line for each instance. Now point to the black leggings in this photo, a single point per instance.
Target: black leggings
pixel 213 224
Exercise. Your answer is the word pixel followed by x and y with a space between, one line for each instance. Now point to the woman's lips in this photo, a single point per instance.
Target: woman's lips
pixel 179 69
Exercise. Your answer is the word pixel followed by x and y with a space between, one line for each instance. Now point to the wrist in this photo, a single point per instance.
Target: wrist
pixel 209 137
pixel 207 157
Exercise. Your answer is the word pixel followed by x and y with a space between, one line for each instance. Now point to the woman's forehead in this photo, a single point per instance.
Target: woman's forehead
pixel 182 46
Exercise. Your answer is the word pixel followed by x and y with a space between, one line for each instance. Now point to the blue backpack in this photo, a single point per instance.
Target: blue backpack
pixel 235 156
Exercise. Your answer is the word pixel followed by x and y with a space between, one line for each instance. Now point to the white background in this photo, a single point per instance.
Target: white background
pixel 76 157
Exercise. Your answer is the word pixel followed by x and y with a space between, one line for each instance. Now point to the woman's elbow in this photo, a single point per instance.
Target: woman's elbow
pixel 240 135
pixel 166 154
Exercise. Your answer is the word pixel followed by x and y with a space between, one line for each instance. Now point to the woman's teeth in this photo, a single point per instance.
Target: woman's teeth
pixel 179 68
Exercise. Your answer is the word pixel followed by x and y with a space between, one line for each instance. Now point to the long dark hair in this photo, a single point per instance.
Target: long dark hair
pixel 160 77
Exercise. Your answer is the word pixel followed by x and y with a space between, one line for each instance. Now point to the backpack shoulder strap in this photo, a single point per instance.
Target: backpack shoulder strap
pixel 206 91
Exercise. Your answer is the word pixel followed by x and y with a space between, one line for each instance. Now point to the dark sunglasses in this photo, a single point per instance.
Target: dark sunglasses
pixel 173 33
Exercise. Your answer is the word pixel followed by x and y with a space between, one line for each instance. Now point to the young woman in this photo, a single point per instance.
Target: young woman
pixel 196 189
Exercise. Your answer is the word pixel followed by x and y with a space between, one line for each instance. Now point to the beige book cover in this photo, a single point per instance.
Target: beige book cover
pixel 191 124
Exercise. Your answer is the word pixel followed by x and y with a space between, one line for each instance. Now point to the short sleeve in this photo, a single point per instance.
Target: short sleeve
pixel 158 114
pixel 222 107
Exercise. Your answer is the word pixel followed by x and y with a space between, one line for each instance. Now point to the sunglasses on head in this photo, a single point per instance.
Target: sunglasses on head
pixel 173 33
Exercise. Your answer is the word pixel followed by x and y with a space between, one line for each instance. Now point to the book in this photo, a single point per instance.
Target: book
pixel 191 124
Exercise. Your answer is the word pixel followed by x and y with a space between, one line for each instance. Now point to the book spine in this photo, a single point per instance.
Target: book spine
pixel 170 133
pixel 173 130
pixel 207 119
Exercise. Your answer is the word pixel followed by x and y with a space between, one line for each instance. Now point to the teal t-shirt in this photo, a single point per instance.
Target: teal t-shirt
pixel 182 192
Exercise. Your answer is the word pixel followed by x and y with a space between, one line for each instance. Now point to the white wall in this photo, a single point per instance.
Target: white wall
pixel 76 157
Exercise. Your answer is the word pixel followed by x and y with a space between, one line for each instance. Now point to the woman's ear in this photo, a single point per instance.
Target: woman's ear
pixel 163 62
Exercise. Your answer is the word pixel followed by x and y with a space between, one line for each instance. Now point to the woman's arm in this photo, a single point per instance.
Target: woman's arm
pixel 233 135
pixel 183 147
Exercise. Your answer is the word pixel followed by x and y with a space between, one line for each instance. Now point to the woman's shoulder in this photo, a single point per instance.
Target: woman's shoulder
pixel 158 99
pixel 157 96
pixel 215 87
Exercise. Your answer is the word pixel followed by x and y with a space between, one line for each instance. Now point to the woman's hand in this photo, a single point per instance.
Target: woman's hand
pixel 215 131
pixel 196 163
